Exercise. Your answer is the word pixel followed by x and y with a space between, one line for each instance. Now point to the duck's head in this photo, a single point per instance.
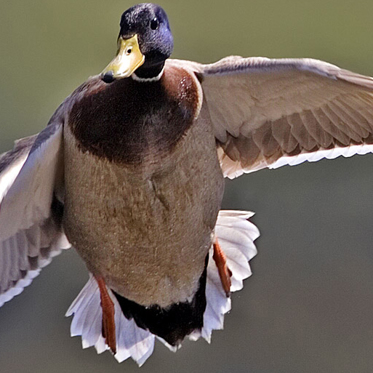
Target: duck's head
pixel 144 43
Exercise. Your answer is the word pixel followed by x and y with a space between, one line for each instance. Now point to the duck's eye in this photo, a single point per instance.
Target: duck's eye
pixel 128 51
pixel 154 23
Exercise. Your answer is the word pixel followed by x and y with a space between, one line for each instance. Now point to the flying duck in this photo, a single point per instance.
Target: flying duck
pixel 130 172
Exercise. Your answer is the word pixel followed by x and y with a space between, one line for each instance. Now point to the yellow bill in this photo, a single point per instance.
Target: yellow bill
pixel 128 59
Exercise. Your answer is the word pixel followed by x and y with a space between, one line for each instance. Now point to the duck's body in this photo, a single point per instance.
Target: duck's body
pixel 160 167
pixel 130 169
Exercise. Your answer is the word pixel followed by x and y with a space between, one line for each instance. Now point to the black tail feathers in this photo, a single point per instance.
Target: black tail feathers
pixel 173 323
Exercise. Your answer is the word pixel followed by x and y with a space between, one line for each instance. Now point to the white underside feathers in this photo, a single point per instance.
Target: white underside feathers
pixel 233 169
pixel 22 259
pixel 19 286
pixel 336 152
pixel 236 236
pixel 132 341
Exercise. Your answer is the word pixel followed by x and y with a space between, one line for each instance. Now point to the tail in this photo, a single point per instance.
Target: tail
pixel 173 323
pixel 134 338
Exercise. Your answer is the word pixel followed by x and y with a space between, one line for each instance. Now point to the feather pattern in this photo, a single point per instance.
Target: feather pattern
pixel 33 235
pixel 284 108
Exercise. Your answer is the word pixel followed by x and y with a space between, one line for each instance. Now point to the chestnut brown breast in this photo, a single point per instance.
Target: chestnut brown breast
pixel 127 120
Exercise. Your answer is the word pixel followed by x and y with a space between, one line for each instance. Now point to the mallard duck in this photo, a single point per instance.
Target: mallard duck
pixel 130 172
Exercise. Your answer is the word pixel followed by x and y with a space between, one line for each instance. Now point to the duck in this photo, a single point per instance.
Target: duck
pixel 130 173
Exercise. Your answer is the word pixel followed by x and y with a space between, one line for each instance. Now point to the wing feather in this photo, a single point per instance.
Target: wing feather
pixel 30 215
pixel 266 112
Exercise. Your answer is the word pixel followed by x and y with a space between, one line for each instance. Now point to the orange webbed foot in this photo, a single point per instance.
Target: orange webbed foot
pixel 221 263
pixel 108 321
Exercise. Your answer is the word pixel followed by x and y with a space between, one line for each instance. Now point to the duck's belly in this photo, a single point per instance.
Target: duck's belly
pixel 146 229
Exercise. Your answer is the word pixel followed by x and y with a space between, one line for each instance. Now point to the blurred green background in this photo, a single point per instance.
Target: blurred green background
pixel 308 307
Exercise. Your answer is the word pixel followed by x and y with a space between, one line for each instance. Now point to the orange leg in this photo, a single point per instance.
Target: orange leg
pixel 224 272
pixel 108 321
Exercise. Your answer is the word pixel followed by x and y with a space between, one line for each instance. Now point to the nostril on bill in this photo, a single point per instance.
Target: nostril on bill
pixel 108 77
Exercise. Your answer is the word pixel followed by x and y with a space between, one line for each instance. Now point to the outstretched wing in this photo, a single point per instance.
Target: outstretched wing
pixel 30 214
pixel 270 113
